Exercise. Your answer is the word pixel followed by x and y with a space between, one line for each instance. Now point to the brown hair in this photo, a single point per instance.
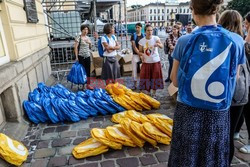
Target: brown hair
pixel 148 25
pixel 107 29
pixel 247 17
pixel 231 20
pixel 84 26
pixel 205 7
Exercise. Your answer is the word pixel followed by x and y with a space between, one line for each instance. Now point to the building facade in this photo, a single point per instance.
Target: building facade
pixel 159 14
pixel 24 59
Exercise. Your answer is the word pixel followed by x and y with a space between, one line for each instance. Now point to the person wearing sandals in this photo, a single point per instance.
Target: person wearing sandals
pixel 82 51
pixel 151 72
pixel 136 61
pixel 232 21
pixel 110 67
pixel 245 114
pixel 204 70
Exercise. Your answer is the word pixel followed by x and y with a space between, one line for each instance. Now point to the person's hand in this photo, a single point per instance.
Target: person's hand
pixel 77 59
pixel 157 44
pixel 172 47
pixel 143 58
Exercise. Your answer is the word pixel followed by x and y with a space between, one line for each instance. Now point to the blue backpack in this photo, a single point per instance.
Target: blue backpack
pixel 101 50
pixel 208 82
pixel 135 36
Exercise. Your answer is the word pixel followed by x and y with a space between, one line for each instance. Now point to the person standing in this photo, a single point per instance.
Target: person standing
pixel 136 61
pixel 151 73
pixel 204 70
pixel 232 21
pixel 110 67
pixel 170 45
pixel 82 51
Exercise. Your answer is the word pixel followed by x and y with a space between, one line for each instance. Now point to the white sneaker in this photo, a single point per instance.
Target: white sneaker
pixel 245 149
pixel 236 136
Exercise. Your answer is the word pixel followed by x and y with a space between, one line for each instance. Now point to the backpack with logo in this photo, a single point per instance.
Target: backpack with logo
pixel 135 36
pixel 101 49
pixel 240 96
pixel 207 71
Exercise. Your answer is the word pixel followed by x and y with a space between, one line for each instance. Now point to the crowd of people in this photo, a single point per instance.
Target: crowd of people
pixel 205 63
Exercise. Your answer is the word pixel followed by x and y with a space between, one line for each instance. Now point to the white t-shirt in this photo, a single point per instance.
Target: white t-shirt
pixel 111 43
pixel 151 54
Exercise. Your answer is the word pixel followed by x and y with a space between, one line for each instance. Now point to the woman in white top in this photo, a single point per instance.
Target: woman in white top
pixel 151 73
pixel 110 67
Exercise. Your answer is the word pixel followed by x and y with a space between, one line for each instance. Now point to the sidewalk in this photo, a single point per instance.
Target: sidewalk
pixel 50 145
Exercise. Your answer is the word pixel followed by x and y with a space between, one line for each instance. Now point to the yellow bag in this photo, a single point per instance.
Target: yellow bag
pixel 164 126
pixel 126 90
pixel 136 116
pixel 155 133
pixel 120 101
pixel 129 101
pixel 125 123
pixel 118 89
pixel 12 151
pixel 137 129
pixel 116 118
pixel 136 98
pixel 109 89
pixel 90 147
pixel 150 101
pixel 99 135
pixel 118 135
pixel 161 117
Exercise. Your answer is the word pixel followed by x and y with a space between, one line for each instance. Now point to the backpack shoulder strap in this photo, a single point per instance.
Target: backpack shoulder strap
pixel 113 36
pixel 107 39
pixel 79 44
pixel 135 36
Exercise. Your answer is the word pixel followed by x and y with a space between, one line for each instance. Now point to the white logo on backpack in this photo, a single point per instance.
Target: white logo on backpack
pixel 200 78
pixel 203 48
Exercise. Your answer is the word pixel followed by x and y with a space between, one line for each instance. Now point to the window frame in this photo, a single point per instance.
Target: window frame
pixel 6 58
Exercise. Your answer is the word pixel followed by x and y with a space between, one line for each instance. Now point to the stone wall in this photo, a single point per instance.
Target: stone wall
pixel 17 79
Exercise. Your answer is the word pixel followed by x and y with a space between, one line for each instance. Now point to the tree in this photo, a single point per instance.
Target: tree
pixel 242 6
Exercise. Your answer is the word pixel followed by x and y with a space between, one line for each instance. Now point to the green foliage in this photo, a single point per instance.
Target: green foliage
pixel 242 6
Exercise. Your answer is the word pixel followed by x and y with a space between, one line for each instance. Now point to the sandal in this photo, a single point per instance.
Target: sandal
pixel 245 149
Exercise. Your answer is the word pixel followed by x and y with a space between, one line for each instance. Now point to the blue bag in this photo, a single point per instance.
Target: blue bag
pixel 37 110
pixel 29 112
pixel 50 110
pixel 72 76
pixel 92 102
pixel 80 112
pixel 208 82
pixel 58 111
pixel 106 106
pixel 85 106
pixel 70 116
pixel 101 50
pixel 43 88
pixel 81 74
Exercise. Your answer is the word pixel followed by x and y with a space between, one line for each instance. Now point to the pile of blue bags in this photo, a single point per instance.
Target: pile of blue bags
pixel 58 104
pixel 77 74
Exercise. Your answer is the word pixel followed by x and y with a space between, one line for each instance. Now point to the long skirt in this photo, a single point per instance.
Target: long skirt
pixel 110 69
pixel 151 76
pixel 200 138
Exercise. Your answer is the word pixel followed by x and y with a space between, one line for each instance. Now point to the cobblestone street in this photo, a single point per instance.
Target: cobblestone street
pixel 50 145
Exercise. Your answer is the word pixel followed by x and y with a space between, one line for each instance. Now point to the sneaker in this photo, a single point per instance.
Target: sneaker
pixel 236 136
pixel 245 149
pixel 167 80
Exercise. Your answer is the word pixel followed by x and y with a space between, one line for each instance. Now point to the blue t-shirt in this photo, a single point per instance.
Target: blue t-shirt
pixel 182 42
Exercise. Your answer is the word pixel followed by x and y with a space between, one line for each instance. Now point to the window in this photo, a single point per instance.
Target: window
pixel 176 10
pixel 150 11
pixel 167 17
pixel 159 11
pixel 184 10
pixel 162 10
pixel 31 12
pixel 4 56
pixel 159 18
pixel 187 10
pixel 167 10
pixel 154 10
pixel 180 10
pixel 162 17
pixel 154 17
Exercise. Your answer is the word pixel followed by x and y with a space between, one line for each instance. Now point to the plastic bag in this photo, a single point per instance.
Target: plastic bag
pixel 12 151
pixel 105 106
pixel 150 101
pixel 136 116
pixel 100 135
pixel 120 101
pixel 161 117
pixel 108 99
pixel 85 106
pixel 90 147
pixel 125 123
pixel 81 74
pixel 136 98
pixel 29 112
pixel 118 135
pixel 57 109
pixel 150 130
pixel 138 129
pixel 80 112
pixel 77 74
pixel 69 114
pixel 129 101
pixel 92 102
pixel 117 118
pixel 50 110
pixel 164 126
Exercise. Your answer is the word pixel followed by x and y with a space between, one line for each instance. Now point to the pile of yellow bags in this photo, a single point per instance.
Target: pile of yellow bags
pixel 133 129
pixel 12 151
pixel 131 100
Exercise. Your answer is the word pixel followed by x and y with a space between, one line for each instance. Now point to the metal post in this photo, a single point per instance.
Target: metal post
pixel 126 26
pixel 120 22
pixel 95 26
